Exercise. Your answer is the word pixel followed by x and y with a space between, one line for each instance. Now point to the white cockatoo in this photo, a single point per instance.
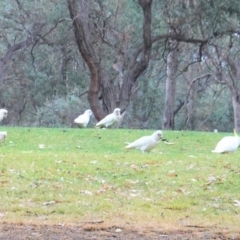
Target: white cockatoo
pixel 3 136
pixel 83 119
pixel 111 120
pixel 146 143
pixel 228 144
pixel 3 114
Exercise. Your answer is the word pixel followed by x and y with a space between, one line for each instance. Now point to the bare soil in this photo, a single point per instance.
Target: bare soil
pixel 99 230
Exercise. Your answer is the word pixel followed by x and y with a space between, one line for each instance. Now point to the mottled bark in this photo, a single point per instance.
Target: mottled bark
pixel 236 110
pixel 192 93
pixel 233 84
pixel 172 64
pixel 79 14
pixel 191 107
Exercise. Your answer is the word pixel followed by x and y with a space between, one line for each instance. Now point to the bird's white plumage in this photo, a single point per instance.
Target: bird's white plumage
pixel 3 114
pixel 146 143
pixel 83 119
pixel 227 144
pixel 3 135
pixel 111 120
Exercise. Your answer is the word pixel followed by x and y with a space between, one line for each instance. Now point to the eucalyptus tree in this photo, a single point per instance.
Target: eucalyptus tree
pixel 221 54
pixel 224 66
pixel 210 22
pixel 129 48
pixel 95 33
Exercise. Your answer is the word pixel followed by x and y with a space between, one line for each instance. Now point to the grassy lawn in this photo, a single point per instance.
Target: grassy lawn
pixel 76 175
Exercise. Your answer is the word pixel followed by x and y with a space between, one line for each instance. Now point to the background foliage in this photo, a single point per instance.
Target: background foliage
pixel 44 79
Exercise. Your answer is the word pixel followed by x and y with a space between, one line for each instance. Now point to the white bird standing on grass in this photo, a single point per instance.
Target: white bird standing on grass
pixel 146 143
pixel 83 119
pixel 3 136
pixel 3 114
pixel 228 144
pixel 111 120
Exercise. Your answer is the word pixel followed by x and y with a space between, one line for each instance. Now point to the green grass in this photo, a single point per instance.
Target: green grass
pixel 87 175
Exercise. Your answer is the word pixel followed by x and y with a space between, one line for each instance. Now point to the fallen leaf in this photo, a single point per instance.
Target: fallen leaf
pixel 237 203
pixel 132 182
pixel 133 166
pixel 168 143
pixel 172 173
pixel 212 179
pixel 86 192
pixel 94 162
pixel 49 203
pixel 41 146
pixel 190 167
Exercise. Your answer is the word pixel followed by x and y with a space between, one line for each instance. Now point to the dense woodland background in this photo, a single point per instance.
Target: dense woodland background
pixel 167 64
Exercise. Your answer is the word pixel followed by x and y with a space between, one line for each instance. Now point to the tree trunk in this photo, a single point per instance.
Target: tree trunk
pixel 172 63
pixel 236 110
pixel 192 93
pixel 229 78
pixel 136 67
pixel 190 107
pixel 104 94
pixel 233 84
pixel 80 15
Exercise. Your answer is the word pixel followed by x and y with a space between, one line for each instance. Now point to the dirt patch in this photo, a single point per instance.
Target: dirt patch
pixel 97 231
